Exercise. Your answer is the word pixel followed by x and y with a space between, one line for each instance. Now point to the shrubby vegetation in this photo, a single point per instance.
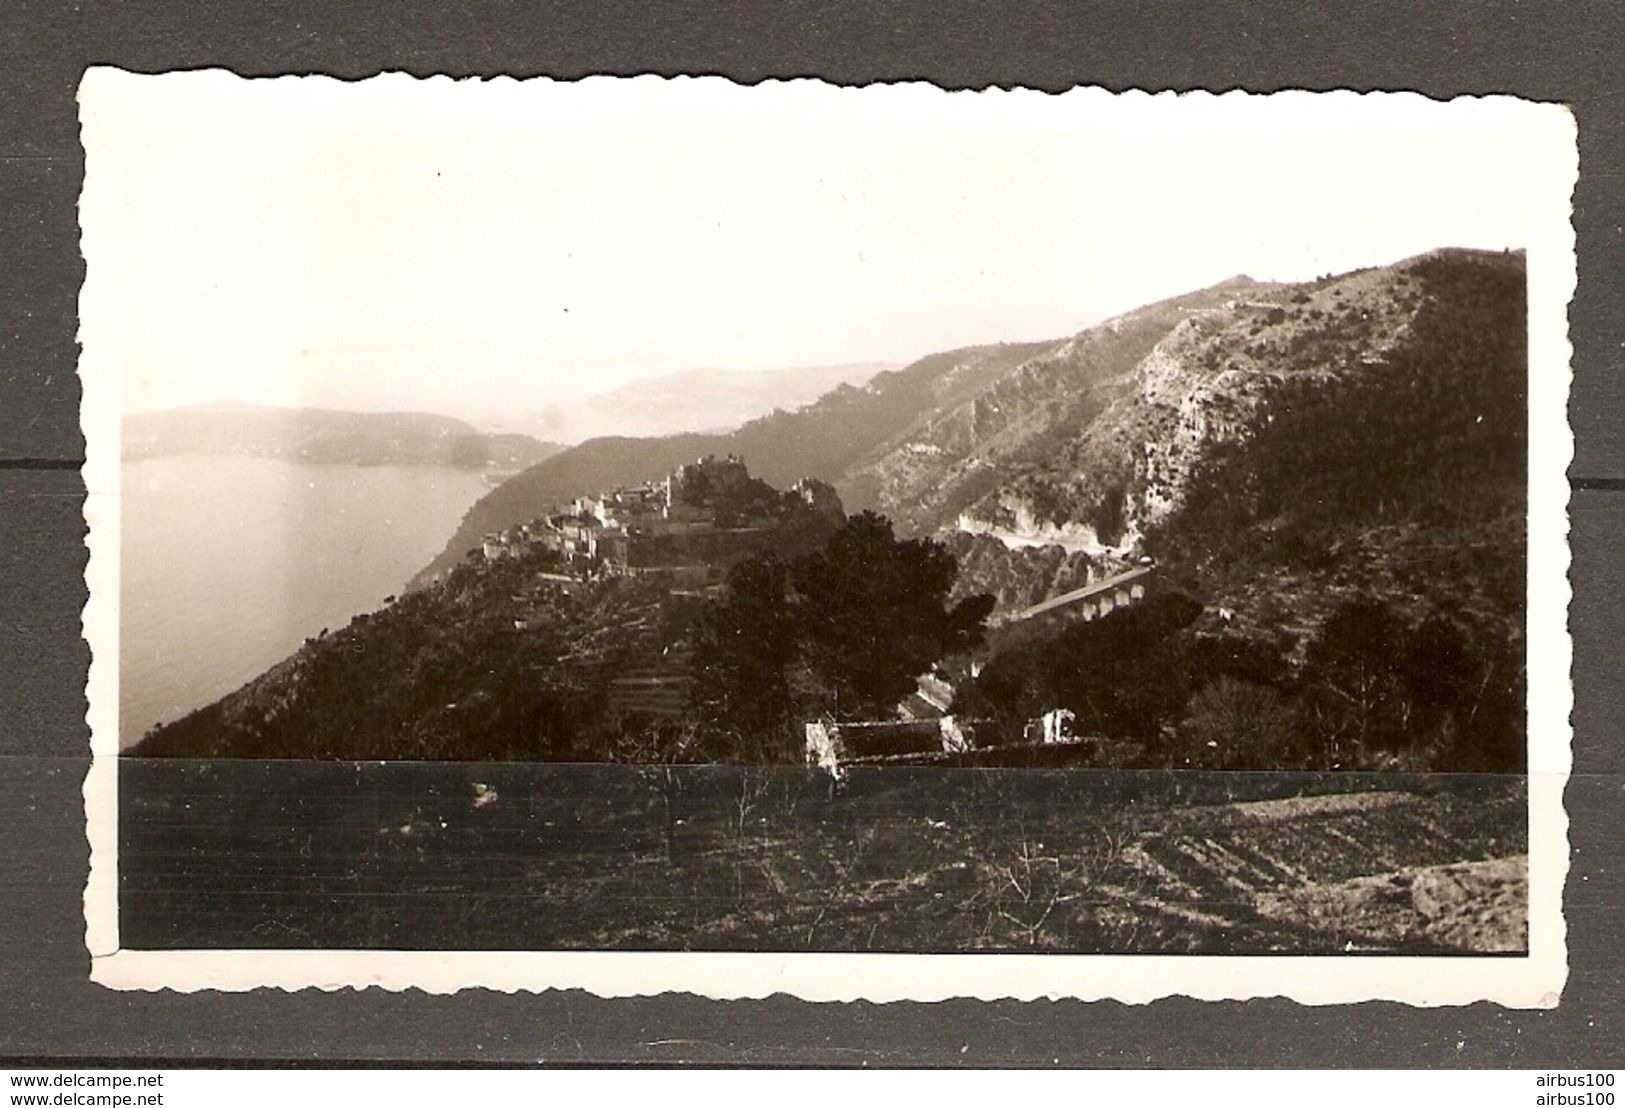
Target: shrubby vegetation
pixel 1112 673
pixel 1369 691
pixel 1435 433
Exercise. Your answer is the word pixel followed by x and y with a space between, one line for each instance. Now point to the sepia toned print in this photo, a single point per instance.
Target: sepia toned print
pixel 650 535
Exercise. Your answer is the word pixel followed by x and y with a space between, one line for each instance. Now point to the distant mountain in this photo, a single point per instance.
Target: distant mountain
pixel 823 439
pixel 701 400
pixel 326 436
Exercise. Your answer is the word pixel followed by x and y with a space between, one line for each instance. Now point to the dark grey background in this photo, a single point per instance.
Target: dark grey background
pixel 48 1010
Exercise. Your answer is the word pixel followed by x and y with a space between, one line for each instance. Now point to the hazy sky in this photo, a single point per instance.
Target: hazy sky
pixel 484 249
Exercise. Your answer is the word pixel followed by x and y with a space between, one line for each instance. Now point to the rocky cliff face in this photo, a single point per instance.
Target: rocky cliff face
pixel 968 467
pixel 1208 384
pixel 1097 445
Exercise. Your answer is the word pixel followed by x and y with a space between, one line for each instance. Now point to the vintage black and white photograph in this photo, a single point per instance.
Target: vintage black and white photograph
pixel 647 534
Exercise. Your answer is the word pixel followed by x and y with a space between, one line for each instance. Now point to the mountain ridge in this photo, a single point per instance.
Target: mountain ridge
pixel 703 400
pixel 325 435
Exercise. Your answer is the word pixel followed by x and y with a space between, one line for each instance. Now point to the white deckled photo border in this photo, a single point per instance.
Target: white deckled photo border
pixel 1545 131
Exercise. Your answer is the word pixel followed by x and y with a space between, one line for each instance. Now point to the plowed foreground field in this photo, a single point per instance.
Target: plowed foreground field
pixel 467 856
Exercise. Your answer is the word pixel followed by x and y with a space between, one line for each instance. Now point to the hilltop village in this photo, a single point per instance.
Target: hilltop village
pixel 682 533
pixel 676 538
pixel 685 529
pixel 678 535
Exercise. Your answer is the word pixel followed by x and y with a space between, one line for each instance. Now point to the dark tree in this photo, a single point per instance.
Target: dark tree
pixel 742 648
pixel 1466 696
pixel 1125 674
pixel 874 614
pixel 1232 724
pixel 1356 671
pixel 1111 517
pixel 656 751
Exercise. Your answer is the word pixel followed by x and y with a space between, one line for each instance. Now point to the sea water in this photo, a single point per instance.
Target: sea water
pixel 228 564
